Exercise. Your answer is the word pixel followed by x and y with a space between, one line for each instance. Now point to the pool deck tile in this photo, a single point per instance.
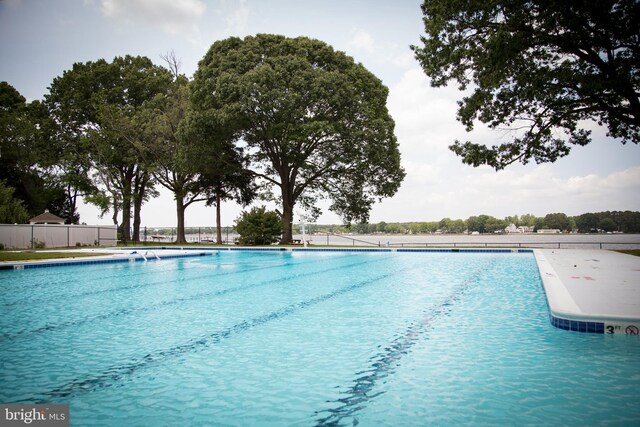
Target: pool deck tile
pixel 591 290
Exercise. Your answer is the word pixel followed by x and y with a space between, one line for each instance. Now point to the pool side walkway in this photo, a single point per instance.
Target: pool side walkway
pixel 591 290
pixel 106 255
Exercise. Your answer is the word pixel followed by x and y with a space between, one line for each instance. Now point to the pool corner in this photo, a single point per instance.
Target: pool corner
pixel 591 290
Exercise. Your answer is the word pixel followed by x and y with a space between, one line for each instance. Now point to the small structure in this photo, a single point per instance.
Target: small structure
pixel 46 218
pixel 511 229
pixel 549 231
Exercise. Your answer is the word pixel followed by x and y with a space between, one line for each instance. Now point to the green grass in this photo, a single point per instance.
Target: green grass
pixel 30 256
pixel 634 252
pixel 167 244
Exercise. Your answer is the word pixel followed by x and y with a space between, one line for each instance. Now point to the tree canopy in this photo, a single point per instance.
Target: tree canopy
pixel 100 106
pixel 12 210
pixel 314 122
pixel 28 164
pixel 538 68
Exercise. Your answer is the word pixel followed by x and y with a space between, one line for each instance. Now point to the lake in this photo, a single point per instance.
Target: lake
pixel 565 241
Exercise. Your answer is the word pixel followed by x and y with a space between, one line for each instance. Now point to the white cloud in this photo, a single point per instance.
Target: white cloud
pixel 361 39
pixel 237 19
pixel 439 185
pixel 172 16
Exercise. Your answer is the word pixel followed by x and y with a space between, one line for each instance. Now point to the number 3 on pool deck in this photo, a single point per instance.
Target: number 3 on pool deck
pixel 610 329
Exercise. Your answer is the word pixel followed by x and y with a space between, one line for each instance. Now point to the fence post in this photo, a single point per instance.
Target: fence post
pixel 31 236
pixel 68 241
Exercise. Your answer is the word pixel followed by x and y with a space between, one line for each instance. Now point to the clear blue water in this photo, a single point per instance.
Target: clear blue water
pixel 293 338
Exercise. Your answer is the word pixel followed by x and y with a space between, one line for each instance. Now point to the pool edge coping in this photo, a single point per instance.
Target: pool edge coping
pixel 564 312
pixel 115 254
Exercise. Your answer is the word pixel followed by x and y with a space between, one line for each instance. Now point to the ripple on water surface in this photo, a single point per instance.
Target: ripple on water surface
pixel 298 338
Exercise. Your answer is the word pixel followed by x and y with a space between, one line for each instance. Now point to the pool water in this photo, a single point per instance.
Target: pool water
pixel 308 338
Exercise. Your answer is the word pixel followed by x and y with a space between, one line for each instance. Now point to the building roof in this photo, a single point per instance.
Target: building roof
pixel 46 218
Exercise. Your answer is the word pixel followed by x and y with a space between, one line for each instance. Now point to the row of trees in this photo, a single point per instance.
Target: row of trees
pixel 292 120
pixel 622 221
pixel 269 117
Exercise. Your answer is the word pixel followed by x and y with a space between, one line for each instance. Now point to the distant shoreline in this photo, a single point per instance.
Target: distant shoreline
pixel 566 240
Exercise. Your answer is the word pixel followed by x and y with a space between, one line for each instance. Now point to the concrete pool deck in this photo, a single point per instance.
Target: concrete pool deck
pixel 591 290
pixel 588 290
pixel 104 255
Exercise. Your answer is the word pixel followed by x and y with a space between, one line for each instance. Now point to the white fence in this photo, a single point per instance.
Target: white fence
pixel 22 236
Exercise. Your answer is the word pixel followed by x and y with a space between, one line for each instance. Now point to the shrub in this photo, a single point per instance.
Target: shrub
pixel 12 210
pixel 259 227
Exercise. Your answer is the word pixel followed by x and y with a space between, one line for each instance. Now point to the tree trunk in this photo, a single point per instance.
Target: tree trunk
pixel 287 221
pixel 141 183
pixel 218 225
pixel 126 213
pixel 137 207
pixel 180 236
pixel 288 202
pixel 116 210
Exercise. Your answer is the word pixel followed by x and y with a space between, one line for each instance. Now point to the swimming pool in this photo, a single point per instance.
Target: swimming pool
pixel 308 338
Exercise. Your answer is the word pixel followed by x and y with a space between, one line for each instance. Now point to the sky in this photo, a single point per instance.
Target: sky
pixel 40 39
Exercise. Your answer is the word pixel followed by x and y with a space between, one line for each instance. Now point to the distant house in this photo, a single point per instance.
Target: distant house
pixel 549 231
pixel 511 228
pixel 46 218
pixel 522 229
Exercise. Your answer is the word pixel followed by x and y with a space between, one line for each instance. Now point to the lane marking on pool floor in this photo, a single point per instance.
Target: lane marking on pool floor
pixel 135 310
pixel 385 363
pixel 49 298
pixel 115 374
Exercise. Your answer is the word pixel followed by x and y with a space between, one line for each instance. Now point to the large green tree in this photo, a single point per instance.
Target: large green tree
pixel 222 167
pixel 168 151
pixel 28 163
pixel 558 221
pixel 315 123
pixel 99 106
pixel 193 157
pixel 538 68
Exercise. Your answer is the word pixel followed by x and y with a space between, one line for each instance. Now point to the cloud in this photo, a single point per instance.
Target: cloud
pixel 439 185
pixel 238 18
pixel 172 16
pixel 361 39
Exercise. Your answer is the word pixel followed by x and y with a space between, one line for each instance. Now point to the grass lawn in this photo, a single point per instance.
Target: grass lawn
pixel 29 256
pixel 635 252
